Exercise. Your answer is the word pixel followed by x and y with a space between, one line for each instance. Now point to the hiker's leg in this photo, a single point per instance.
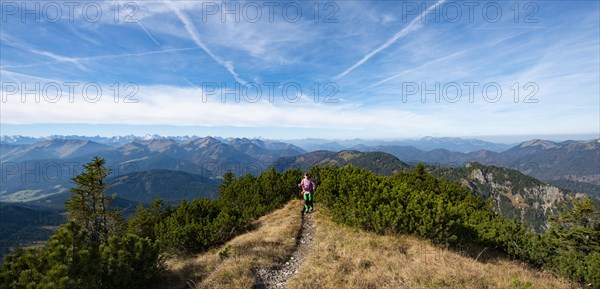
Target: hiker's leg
pixel 310 200
pixel 306 202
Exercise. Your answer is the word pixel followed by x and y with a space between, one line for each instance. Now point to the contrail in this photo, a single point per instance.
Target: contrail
pixel 191 29
pixel 412 26
pixel 55 57
pixel 59 59
pixel 147 33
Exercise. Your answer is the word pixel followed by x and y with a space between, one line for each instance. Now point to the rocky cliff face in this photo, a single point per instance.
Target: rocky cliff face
pixel 513 194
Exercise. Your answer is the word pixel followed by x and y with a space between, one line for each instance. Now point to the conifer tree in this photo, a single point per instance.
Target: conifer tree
pixel 88 207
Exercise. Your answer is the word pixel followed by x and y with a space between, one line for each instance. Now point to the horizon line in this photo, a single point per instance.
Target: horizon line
pixel 486 138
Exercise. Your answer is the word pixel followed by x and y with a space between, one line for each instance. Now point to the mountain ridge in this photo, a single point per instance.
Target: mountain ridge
pixel 549 161
pixel 378 162
pixel 45 168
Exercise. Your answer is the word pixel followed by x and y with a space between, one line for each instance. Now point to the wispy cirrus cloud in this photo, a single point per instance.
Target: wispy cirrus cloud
pixel 171 53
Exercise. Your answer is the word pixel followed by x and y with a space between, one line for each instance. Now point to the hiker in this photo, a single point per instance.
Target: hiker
pixel 308 187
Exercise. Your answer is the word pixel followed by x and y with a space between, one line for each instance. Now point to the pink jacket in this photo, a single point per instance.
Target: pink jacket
pixel 307 185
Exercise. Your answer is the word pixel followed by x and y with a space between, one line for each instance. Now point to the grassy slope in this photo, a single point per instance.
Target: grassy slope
pixel 230 266
pixel 342 257
pixel 347 258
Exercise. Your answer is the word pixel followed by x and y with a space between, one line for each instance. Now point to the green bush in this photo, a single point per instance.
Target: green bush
pixel 129 262
pixel 143 221
pixel 418 203
pixel 69 261
pixel 195 226
pixel 411 202
pixel 575 234
pixel 202 223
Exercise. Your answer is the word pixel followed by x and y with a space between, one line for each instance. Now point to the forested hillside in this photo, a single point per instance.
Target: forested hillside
pixel 104 249
pixel 170 186
pixel 378 162
pixel 20 225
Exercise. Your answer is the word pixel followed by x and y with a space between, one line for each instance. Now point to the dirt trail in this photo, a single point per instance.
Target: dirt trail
pixel 277 276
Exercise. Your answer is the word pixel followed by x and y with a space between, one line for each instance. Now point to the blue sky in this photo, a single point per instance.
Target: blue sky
pixel 283 69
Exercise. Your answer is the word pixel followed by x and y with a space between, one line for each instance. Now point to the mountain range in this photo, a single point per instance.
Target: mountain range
pixel 574 164
pixel 309 144
pixel 36 171
pixel 426 144
pixel 112 141
pixel 41 170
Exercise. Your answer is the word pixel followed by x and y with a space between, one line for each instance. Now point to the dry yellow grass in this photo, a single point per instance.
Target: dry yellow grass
pixel 230 266
pixel 342 257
